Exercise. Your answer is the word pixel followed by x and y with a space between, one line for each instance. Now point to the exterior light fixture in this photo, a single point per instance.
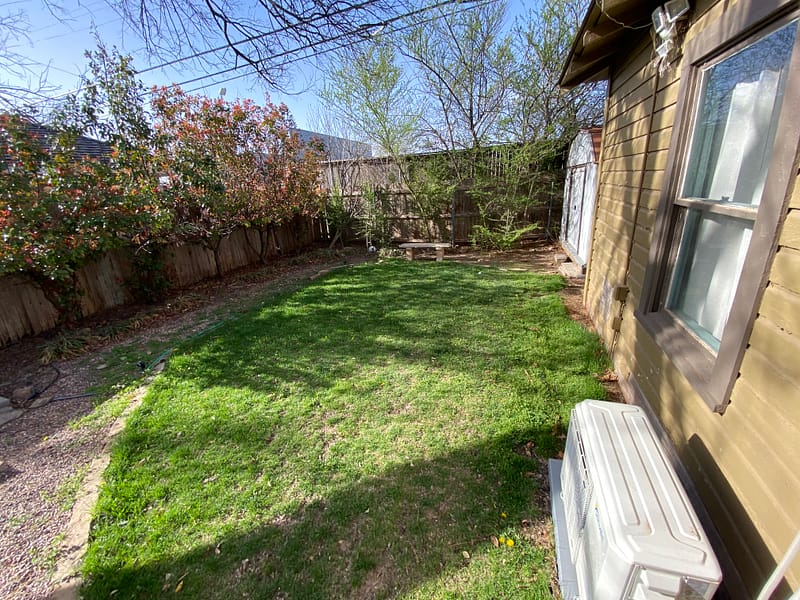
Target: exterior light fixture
pixel 660 21
pixel 675 9
pixel 664 19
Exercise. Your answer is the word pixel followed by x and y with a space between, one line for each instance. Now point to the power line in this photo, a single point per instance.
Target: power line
pixel 325 51
pixel 364 4
pixel 253 38
pixel 74 31
pixel 305 47
pixel 90 9
pixel 312 45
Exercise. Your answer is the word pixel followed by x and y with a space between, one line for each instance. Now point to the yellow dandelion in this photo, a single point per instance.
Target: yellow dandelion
pixel 509 542
pixel 504 515
pixel 501 539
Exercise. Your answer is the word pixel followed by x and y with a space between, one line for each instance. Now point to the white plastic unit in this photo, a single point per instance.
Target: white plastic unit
pixel 631 532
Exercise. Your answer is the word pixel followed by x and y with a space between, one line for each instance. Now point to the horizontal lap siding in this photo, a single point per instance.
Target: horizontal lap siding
pixel 744 464
pixel 625 142
pixel 767 395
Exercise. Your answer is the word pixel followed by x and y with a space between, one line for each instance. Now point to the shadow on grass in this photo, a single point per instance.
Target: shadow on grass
pixel 449 317
pixel 251 470
pixel 403 532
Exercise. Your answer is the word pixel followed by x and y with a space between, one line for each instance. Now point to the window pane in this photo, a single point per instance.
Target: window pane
pixel 710 260
pixel 736 121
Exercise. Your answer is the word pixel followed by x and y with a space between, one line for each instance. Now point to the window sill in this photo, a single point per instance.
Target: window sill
pixel 689 354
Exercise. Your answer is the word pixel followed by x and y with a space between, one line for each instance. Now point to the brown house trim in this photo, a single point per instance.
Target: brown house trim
pixel 713 375
pixel 607 27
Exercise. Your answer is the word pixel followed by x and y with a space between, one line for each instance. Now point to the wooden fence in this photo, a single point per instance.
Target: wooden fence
pixel 102 284
pixel 351 177
pixel 456 225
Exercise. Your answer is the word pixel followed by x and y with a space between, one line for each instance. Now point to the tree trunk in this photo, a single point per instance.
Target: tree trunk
pixel 63 295
pixel 214 246
pixel 336 239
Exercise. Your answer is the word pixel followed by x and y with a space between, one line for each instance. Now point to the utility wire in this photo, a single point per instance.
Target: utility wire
pixel 309 46
pixel 312 45
pixel 252 38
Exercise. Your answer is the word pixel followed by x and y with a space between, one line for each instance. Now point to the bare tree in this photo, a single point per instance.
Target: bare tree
pixel 16 66
pixel 465 63
pixel 267 36
pixel 538 109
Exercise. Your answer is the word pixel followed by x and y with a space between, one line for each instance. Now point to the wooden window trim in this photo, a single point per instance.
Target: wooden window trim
pixel 737 211
pixel 713 374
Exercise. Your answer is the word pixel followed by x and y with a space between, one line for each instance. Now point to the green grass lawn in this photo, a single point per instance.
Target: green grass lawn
pixel 362 437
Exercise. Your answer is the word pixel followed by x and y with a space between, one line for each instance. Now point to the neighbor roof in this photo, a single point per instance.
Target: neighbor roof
pixel 608 24
pixel 84 146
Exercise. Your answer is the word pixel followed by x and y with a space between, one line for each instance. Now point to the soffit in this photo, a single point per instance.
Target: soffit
pixel 607 29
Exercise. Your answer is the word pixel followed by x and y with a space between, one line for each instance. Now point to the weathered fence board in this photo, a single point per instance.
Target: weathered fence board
pixel 103 283
pixel 25 311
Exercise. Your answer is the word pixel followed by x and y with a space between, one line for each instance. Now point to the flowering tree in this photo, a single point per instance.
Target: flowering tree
pixel 57 211
pixel 230 165
pixel 288 172
pixel 61 209
pixel 204 169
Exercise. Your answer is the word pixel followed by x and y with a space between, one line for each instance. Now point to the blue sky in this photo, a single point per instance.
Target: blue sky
pixel 56 45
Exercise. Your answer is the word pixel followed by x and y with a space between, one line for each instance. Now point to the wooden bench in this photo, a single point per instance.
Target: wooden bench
pixel 410 247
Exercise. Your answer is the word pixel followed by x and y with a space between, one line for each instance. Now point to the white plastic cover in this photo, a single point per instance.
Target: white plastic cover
pixel 632 530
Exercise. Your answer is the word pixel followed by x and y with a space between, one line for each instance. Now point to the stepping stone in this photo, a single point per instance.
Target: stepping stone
pixel 9 414
pixel 571 269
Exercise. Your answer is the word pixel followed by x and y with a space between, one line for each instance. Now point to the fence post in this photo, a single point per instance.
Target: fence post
pixel 453 218
pixel 550 211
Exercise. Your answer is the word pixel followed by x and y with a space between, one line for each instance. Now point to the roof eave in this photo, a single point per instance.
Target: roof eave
pixel 603 33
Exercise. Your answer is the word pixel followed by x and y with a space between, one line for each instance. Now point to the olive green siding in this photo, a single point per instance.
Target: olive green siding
pixel 744 464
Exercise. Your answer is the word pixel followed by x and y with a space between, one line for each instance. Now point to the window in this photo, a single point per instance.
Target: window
pixel 731 145
pixel 729 174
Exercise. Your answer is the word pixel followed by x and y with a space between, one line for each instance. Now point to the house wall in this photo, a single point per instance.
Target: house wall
pixel 744 464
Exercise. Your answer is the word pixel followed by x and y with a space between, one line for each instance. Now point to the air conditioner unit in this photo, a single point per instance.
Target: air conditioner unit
pixel 625 529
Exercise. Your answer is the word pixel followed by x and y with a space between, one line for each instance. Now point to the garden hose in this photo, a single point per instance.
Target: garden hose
pixel 164 355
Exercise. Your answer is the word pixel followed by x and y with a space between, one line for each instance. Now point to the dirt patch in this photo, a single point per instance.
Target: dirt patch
pixel 537 256
pixel 43 459
pixel 42 456
pixel 377 582
pixel 572 294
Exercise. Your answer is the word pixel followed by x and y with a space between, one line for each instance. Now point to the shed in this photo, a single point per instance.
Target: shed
pixel 580 193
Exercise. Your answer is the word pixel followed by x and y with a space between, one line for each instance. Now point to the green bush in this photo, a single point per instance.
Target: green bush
pixel 500 239
pixel 148 282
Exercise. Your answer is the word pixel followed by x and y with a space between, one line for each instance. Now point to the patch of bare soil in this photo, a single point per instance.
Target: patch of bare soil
pixel 43 459
pixel 535 256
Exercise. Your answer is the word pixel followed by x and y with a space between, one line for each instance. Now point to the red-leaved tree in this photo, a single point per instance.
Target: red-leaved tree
pixel 61 209
pixel 58 211
pixel 227 165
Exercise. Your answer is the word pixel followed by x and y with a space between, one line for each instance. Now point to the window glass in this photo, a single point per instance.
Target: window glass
pixel 730 153
pixel 735 127
pixel 710 261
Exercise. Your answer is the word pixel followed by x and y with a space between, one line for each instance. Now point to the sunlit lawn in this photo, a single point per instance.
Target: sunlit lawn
pixel 359 438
